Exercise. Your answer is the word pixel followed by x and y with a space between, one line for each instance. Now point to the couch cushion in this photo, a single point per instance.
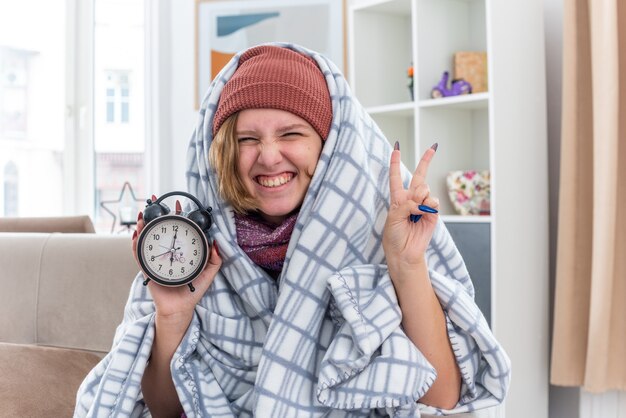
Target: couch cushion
pixel 20 258
pixel 84 284
pixel 41 381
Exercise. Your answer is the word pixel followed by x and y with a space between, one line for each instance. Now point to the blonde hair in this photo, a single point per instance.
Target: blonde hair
pixel 224 158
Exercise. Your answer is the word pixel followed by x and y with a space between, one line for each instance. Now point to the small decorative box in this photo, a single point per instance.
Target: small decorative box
pixel 472 67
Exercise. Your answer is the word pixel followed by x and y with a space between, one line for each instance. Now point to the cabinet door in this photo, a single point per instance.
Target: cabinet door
pixel 474 243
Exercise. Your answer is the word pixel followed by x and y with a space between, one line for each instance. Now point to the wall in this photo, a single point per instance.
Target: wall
pixel 176 81
pixel 563 402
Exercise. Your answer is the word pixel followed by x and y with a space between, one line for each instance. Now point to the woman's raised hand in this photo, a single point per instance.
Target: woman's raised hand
pixel 180 301
pixel 405 241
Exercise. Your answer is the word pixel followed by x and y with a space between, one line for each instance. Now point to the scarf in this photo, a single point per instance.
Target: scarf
pixel 265 245
pixel 325 339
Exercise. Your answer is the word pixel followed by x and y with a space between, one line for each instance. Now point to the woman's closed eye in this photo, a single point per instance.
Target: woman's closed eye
pixel 292 135
pixel 247 140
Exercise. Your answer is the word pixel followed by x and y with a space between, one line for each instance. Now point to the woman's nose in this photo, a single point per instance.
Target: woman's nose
pixel 269 153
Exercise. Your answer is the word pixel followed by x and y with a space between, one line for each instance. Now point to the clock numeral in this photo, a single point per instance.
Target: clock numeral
pixel 175 228
pixel 150 247
pixel 191 263
pixel 182 270
pixel 195 252
pixel 163 230
pixel 171 272
pixel 193 241
pixel 156 237
pixel 152 258
pixel 160 265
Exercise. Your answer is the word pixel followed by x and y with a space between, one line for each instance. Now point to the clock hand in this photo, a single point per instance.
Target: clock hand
pixel 173 248
pixel 174 239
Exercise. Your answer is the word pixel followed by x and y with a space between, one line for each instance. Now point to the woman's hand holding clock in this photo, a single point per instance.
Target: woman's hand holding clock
pixel 178 303
pixel 174 305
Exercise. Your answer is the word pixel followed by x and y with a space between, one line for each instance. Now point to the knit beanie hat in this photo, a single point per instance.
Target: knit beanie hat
pixel 277 78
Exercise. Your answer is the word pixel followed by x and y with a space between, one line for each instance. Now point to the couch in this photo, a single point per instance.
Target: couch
pixel 61 297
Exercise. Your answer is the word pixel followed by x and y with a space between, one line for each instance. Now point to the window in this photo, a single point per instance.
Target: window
pixel 13 91
pixel 117 96
pixel 71 106
pixel 10 190
pixel 32 107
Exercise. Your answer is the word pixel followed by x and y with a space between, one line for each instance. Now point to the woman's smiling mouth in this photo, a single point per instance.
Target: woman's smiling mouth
pixel 274 181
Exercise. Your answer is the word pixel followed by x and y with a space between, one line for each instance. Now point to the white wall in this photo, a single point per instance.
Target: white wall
pixel 184 114
pixel 177 114
pixel 564 402
pixel 521 291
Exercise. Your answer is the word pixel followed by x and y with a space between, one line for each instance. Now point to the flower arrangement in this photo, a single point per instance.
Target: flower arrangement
pixel 470 192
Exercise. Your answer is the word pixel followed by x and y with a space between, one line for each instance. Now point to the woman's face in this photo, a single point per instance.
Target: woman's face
pixel 277 152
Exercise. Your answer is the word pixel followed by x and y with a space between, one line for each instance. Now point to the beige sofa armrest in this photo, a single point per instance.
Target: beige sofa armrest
pixel 69 224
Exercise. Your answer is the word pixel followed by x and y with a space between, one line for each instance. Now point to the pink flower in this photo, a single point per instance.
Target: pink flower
pixel 460 197
pixel 469 174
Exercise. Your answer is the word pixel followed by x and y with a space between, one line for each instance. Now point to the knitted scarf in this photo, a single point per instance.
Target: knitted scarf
pixel 265 245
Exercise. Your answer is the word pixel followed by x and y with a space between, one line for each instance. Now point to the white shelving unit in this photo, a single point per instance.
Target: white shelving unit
pixel 386 31
pixel 501 130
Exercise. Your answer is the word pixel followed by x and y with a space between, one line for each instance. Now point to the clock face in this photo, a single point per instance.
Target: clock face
pixel 172 250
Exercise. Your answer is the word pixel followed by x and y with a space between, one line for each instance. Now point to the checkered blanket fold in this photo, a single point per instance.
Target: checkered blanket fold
pixel 325 338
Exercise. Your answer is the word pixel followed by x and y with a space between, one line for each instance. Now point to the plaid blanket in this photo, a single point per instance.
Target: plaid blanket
pixel 325 338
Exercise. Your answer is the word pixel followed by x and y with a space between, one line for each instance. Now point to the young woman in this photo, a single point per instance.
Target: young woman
pixel 331 289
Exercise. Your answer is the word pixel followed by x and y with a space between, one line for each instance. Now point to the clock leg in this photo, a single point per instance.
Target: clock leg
pixel 193 289
pixel 145 282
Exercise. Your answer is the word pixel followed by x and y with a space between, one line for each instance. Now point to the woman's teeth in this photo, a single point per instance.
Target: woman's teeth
pixel 274 181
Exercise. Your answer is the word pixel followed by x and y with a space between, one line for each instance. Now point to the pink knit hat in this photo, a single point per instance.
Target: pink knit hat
pixel 277 78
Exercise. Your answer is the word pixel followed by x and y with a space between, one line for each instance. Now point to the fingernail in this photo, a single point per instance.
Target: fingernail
pixel 435 146
pixel 178 207
pixel 415 218
pixel 396 146
pixel 154 198
pixel 134 235
pixel 140 216
pixel 217 249
pixel 427 209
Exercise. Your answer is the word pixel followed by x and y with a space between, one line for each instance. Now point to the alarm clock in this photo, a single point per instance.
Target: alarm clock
pixel 173 249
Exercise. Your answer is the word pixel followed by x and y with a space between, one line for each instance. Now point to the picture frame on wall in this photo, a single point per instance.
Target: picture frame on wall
pixel 226 27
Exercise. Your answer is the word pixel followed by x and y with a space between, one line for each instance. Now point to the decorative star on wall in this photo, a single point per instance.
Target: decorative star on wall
pixel 129 219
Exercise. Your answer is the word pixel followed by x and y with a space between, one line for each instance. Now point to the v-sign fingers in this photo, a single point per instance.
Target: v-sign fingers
pixel 395 177
pixel 419 175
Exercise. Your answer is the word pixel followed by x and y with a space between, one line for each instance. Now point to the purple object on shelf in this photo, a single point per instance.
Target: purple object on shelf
pixel 458 87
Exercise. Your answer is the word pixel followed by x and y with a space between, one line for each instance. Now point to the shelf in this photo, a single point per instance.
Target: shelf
pixel 402 7
pixel 395 109
pixel 464 101
pixel 466 219
pixel 384 31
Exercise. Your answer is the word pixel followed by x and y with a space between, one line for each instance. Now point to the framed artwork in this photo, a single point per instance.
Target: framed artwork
pixel 224 28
